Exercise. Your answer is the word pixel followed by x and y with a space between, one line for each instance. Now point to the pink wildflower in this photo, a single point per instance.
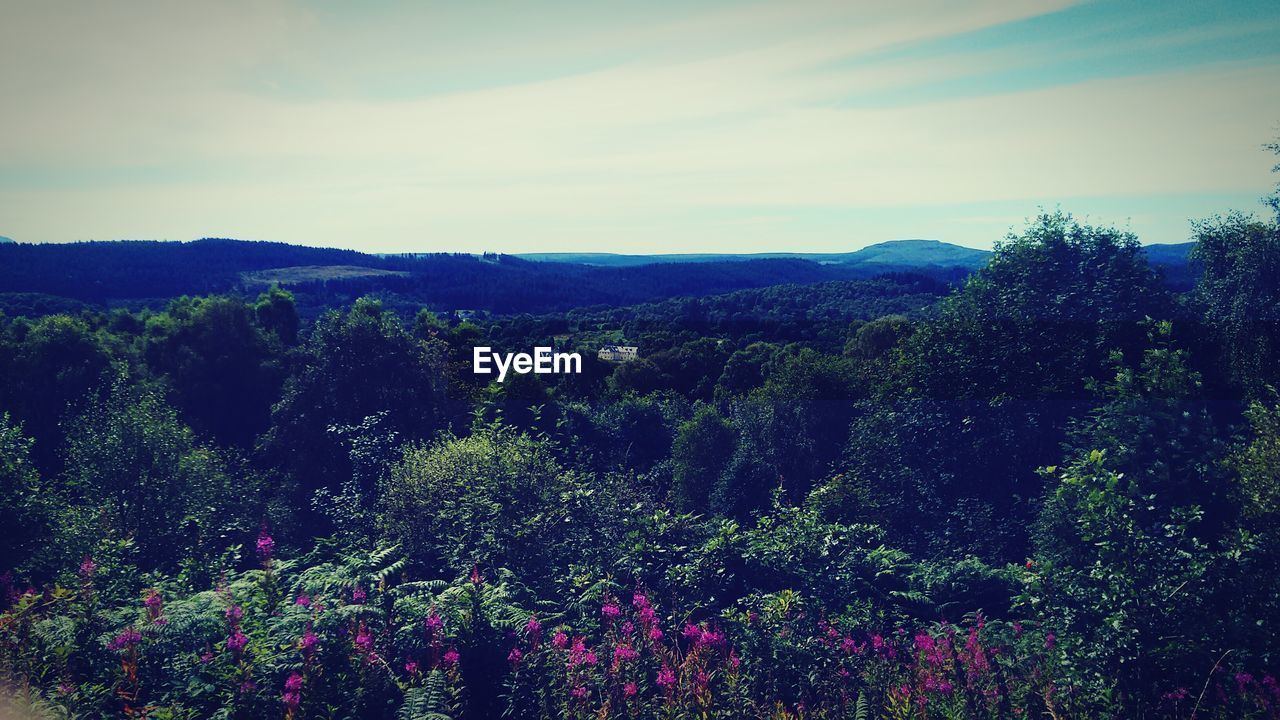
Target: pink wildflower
pixel 266 545
pixel 237 641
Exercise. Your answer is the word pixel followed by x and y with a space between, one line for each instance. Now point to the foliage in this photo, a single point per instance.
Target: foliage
pixel 1051 492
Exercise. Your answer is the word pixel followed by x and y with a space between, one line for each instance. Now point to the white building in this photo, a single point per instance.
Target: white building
pixel 618 353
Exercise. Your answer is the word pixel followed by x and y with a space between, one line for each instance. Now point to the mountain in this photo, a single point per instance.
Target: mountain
pixel 4 240
pixel 149 273
pixel 1169 253
pixel 1173 262
pixel 900 254
pixel 136 273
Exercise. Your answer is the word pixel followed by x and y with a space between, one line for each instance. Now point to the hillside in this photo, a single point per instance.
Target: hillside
pixel 149 273
pixel 898 253
pixel 136 273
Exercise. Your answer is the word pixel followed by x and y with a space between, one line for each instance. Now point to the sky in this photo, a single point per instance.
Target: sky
pixel 634 127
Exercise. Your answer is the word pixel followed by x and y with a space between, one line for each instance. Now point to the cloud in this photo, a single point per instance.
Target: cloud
pixel 275 120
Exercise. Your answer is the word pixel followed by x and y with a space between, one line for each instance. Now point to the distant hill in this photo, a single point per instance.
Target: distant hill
pixel 137 273
pixel 1173 262
pixel 4 239
pixel 903 254
pixel 1169 253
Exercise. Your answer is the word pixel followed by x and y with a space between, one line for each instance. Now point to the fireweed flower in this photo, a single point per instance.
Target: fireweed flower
pixel 358 596
pixel 450 657
pixel 514 657
pixel 560 641
pixel 691 633
pixel 88 568
pixel 308 642
pixel 1050 640
pixel 292 696
pixel 624 653
pixel 610 612
pixel 579 693
pixel 628 628
pixel 234 614
pixel 248 686
pixel 125 640
pixel 411 667
pixel 364 640
pixel 648 616
pixel 711 639
pixel 533 630
pixel 266 545
pixel 433 624
pixel 666 678
pixel 655 634
pixel 303 600
pixel 155 607
pixel 237 641
pixel 630 689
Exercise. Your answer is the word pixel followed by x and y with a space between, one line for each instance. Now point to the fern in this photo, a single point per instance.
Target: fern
pixel 428 702
pixel 862 709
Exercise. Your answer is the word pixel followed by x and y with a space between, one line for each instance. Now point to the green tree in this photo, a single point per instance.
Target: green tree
pixel 975 399
pixel 25 508
pixel 1240 297
pixel 277 312
pixel 354 364
pixel 57 362
pixel 224 369
pixel 497 498
pixel 699 455
pixel 134 472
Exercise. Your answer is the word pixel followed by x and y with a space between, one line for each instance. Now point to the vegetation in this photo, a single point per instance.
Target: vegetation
pixel 1048 492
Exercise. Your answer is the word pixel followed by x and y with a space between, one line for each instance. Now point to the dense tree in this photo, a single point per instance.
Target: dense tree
pixel 495 499
pixel 354 364
pixel 134 472
pixel 53 366
pixel 699 456
pixel 1239 293
pixel 223 367
pixel 26 510
pixel 975 399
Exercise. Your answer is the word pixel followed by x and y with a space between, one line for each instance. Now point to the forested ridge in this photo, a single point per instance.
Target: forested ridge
pixel 1047 490
pixel 135 274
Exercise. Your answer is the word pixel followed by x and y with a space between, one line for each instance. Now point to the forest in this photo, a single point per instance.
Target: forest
pixel 1051 489
pixel 42 279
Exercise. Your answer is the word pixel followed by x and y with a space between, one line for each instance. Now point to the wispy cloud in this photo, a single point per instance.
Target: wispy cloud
pixel 663 128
